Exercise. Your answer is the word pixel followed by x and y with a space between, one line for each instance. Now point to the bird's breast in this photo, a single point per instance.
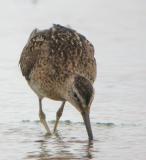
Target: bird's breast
pixel 44 87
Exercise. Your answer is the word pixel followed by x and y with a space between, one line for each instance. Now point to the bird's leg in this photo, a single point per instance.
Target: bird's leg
pixel 58 115
pixel 43 117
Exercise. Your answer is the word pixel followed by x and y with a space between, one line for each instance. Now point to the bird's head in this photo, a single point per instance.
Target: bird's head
pixel 81 95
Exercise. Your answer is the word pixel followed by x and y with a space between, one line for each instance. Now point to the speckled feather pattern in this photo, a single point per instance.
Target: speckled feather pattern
pixel 51 56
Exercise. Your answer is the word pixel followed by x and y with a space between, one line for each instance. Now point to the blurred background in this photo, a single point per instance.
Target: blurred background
pixel 117 30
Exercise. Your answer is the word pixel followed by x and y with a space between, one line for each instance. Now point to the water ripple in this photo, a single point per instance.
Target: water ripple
pixel 99 124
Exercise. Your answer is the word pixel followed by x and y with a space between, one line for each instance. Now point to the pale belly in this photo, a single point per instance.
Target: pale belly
pixel 42 93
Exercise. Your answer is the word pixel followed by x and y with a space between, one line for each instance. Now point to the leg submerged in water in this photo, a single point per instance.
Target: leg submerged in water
pixel 43 117
pixel 58 115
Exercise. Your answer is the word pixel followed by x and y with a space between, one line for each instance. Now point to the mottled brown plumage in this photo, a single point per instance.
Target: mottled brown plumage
pixel 57 62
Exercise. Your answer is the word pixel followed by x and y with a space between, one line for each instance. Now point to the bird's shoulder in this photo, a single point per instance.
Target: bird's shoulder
pixel 59 39
pixel 61 46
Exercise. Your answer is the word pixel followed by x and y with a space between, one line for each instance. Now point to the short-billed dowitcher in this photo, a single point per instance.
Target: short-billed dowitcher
pixel 59 63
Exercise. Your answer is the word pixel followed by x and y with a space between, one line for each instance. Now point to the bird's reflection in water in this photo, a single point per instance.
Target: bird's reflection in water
pixel 58 147
pixel 89 149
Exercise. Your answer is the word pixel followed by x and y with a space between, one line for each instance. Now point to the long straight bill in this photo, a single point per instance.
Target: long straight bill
pixel 86 119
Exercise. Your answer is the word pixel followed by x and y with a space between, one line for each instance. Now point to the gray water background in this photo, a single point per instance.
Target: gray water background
pixel 118 31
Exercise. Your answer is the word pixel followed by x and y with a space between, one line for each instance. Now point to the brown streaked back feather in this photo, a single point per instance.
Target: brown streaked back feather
pixel 30 53
pixel 65 50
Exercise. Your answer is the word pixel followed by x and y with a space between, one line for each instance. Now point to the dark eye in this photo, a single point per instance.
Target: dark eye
pixel 76 97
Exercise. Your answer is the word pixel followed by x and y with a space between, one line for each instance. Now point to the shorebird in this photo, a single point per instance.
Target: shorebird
pixel 58 63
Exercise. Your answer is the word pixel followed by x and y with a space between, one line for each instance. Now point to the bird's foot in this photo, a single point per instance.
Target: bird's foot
pixel 48 134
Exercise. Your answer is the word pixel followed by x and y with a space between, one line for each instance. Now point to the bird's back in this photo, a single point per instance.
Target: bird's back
pixel 60 50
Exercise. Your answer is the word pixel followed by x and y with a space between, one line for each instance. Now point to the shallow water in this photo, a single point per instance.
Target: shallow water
pixel 24 140
pixel 117 30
